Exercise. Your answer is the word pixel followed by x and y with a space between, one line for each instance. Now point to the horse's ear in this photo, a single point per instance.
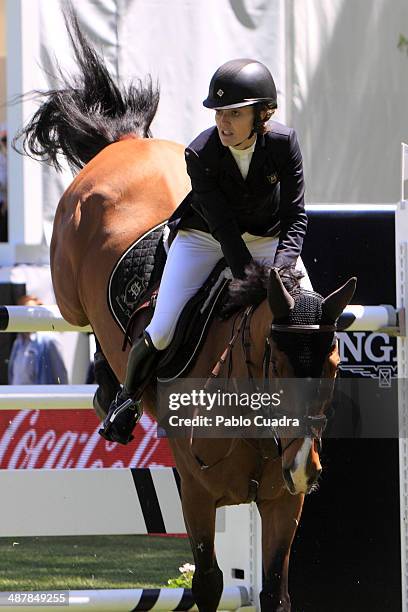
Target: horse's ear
pixel 279 299
pixel 335 303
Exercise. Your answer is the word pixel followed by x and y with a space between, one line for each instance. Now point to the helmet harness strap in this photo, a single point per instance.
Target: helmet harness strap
pixel 247 138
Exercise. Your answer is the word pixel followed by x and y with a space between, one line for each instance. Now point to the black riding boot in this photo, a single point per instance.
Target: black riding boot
pixel 108 385
pixel 126 410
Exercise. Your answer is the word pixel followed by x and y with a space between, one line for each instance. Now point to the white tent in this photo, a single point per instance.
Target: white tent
pixel 341 81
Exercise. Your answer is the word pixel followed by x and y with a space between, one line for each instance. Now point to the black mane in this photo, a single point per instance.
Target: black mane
pixel 88 112
pixel 252 290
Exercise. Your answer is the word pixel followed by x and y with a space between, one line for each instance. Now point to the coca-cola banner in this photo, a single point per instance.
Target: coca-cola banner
pixel 70 439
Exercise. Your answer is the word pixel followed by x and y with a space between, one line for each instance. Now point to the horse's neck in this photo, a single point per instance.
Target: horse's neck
pixel 260 324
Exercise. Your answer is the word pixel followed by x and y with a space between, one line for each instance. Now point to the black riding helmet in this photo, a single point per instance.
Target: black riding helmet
pixel 241 82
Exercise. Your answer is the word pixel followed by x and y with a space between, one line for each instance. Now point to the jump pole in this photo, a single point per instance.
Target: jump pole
pixel 129 600
pixel 383 317
pixel 36 318
pixel 46 397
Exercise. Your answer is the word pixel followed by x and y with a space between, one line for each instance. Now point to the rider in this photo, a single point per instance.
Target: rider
pixel 246 203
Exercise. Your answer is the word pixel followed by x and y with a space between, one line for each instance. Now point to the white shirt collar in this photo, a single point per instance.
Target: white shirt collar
pixel 243 152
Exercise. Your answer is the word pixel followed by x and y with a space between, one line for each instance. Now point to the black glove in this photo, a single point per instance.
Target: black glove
pixel 234 248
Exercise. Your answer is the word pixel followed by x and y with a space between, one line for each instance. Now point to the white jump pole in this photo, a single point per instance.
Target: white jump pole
pixel 46 397
pixel 35 318
pixel 128 600
pixel 48 318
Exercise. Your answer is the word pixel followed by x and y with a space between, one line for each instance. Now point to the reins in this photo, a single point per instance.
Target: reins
pixel 215 372
pixel 315 423
pixel 227 353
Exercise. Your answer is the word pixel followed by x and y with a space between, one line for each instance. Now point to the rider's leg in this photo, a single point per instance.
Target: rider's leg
pixel 191 258
pixel 125 410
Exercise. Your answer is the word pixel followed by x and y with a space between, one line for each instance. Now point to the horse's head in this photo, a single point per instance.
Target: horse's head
pixel 303 345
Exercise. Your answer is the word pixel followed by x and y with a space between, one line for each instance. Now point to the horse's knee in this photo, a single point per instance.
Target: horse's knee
pixel 207 589
pixel 108 385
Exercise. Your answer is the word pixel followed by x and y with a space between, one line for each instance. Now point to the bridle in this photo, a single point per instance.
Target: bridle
pixel 313 425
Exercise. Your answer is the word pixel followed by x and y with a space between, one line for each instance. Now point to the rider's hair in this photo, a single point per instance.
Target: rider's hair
pixel 260 122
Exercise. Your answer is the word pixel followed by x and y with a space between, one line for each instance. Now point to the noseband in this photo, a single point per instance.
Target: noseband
pixel 313 425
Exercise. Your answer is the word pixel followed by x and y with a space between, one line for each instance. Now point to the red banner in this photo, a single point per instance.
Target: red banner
pixel 70 439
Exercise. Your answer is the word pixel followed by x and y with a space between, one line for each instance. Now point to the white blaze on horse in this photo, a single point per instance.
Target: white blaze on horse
pixel 128 183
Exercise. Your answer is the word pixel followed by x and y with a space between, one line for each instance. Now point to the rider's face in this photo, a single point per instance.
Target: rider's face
pixel 235 125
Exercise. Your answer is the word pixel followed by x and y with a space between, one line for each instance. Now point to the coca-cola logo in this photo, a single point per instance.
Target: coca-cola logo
pixel 70 439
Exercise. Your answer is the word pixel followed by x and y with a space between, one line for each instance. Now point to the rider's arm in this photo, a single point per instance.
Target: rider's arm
pixel 293 219
pixel 212 205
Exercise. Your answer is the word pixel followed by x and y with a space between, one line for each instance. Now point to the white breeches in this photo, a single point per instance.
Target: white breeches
pixel 191 257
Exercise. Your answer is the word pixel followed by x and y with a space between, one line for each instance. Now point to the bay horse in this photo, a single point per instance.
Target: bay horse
pixel 126 183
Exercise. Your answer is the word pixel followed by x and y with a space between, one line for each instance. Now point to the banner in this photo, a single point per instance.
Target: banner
pixel 70 439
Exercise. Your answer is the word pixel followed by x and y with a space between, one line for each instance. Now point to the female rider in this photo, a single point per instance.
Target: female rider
pixel 246 203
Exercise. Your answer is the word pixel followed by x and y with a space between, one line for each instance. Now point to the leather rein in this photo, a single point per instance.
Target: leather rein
pixel 315 424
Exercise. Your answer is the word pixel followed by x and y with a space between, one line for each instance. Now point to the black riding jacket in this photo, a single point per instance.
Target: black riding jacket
pixel 269 202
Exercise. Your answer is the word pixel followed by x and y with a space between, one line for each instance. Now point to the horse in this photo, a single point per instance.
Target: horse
pixel 125 183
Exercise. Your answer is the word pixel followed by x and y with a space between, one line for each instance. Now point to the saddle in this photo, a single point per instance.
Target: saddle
pixel 136 274
pixel 132 291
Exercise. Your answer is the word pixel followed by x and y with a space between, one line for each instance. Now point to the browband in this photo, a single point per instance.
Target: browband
pixel 302 329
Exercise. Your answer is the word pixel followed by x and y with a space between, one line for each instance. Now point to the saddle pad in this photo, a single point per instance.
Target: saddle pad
pixel 193 325
pixel 138 268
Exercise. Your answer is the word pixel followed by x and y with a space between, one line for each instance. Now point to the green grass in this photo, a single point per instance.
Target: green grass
pixel 90 562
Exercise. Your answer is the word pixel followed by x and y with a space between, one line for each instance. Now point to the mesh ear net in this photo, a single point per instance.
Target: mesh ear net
pixel 306 352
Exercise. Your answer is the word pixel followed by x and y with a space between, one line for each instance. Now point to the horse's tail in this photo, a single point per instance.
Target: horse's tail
pixel 88 112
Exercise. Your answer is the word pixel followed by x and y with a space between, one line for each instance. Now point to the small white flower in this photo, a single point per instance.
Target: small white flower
pixel 187 567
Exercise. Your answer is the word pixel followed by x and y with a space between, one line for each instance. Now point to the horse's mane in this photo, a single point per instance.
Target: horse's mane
pixel 88 112
pixel 252 290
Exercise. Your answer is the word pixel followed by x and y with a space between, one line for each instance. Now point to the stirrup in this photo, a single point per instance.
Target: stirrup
pixel 111 431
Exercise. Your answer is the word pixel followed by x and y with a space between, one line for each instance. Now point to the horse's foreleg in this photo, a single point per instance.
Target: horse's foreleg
pixel 280 518
pixel 108 384
pixel 199 516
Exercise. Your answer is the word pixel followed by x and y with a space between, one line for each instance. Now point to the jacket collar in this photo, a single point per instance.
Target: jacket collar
pixel 258 158
pixel 228 163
